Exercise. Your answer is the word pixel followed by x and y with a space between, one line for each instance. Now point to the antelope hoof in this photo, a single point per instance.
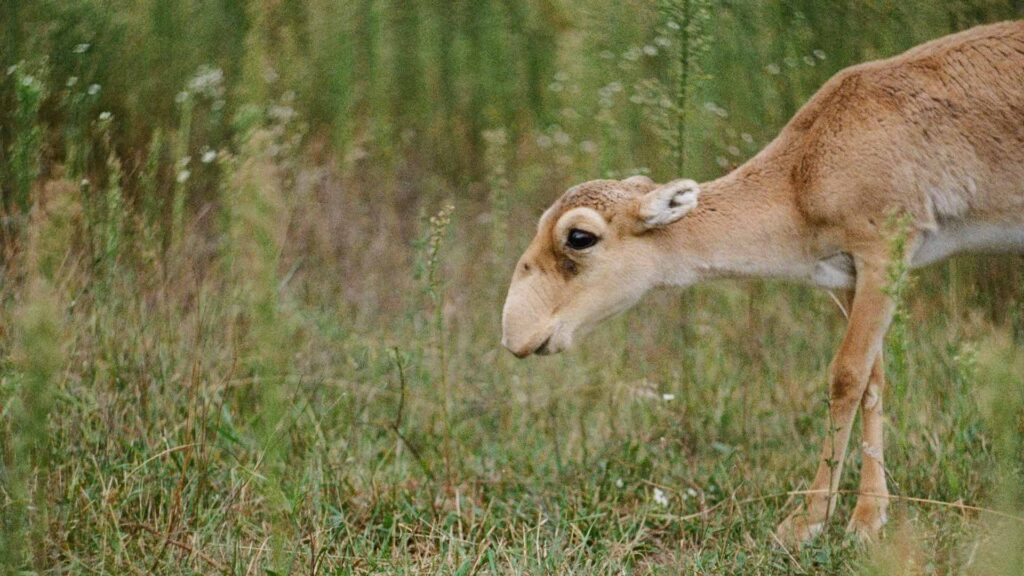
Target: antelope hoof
pixel 797 529
pixel 867 520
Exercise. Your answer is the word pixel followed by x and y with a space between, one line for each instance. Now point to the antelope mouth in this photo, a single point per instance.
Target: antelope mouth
pixel 543 349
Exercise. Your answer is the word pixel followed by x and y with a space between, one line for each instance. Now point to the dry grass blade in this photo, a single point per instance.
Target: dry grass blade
pixel 184 546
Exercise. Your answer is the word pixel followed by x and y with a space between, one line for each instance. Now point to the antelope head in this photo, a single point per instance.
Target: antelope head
pixel 597 250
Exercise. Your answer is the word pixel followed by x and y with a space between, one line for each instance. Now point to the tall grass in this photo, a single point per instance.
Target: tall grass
pixel 899 282
pixel 33 365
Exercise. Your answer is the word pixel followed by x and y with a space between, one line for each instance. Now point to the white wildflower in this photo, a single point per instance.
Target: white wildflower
pixel 81 48
pixel 773 69
pixel 105 116
pixel 651 50
pixel 94 89
pixel 716 109
pixel 668 397
pixel 819 54
pixel 183 176
pixel 208 81
pixel 672 24
pixel 72 80
pixel 660 498
pixel 209 156
pixel 282 114
pixel 356 154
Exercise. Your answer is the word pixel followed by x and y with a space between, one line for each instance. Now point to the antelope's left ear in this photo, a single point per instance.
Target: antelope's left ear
pixel 668 203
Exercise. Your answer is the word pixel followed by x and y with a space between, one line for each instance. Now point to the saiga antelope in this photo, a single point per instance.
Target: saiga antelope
pixel 935 134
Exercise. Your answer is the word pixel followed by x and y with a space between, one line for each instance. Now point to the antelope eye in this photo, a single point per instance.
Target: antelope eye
pixel 580 239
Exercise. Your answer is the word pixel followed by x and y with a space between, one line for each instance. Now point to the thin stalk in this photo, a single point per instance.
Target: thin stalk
pixel 682 78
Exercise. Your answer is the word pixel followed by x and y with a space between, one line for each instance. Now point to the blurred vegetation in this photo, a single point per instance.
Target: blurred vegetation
pixel 253 255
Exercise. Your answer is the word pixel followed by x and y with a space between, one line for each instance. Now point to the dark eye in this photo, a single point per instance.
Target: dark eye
pixel 580 239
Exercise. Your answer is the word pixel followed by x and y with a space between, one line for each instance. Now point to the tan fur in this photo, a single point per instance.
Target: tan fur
pixel 936 133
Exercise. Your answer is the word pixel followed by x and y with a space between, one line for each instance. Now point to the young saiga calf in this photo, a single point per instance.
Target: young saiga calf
pixel 935 134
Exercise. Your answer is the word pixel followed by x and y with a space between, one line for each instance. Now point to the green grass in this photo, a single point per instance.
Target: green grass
pixel 189 431
pixel 242 332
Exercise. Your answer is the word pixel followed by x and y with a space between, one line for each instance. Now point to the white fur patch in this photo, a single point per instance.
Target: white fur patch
pixel 950 199
pixel 871 397
pixel 873 452
pixel 961 236
pixel 835 272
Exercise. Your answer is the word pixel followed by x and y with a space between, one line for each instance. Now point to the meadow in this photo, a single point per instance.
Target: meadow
pixel 253 260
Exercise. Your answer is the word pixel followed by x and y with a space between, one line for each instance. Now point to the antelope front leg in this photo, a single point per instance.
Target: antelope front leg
pixel 869 515
pixel 849 375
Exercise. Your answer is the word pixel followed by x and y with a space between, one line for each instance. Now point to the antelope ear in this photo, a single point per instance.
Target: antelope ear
pixel 668 203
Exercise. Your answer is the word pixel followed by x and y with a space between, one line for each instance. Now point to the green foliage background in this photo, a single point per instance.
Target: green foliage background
pixel 253 254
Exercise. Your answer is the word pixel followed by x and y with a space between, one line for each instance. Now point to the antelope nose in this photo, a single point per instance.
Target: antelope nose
pixel 521 353
pixel 525 350
pixel 517 351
